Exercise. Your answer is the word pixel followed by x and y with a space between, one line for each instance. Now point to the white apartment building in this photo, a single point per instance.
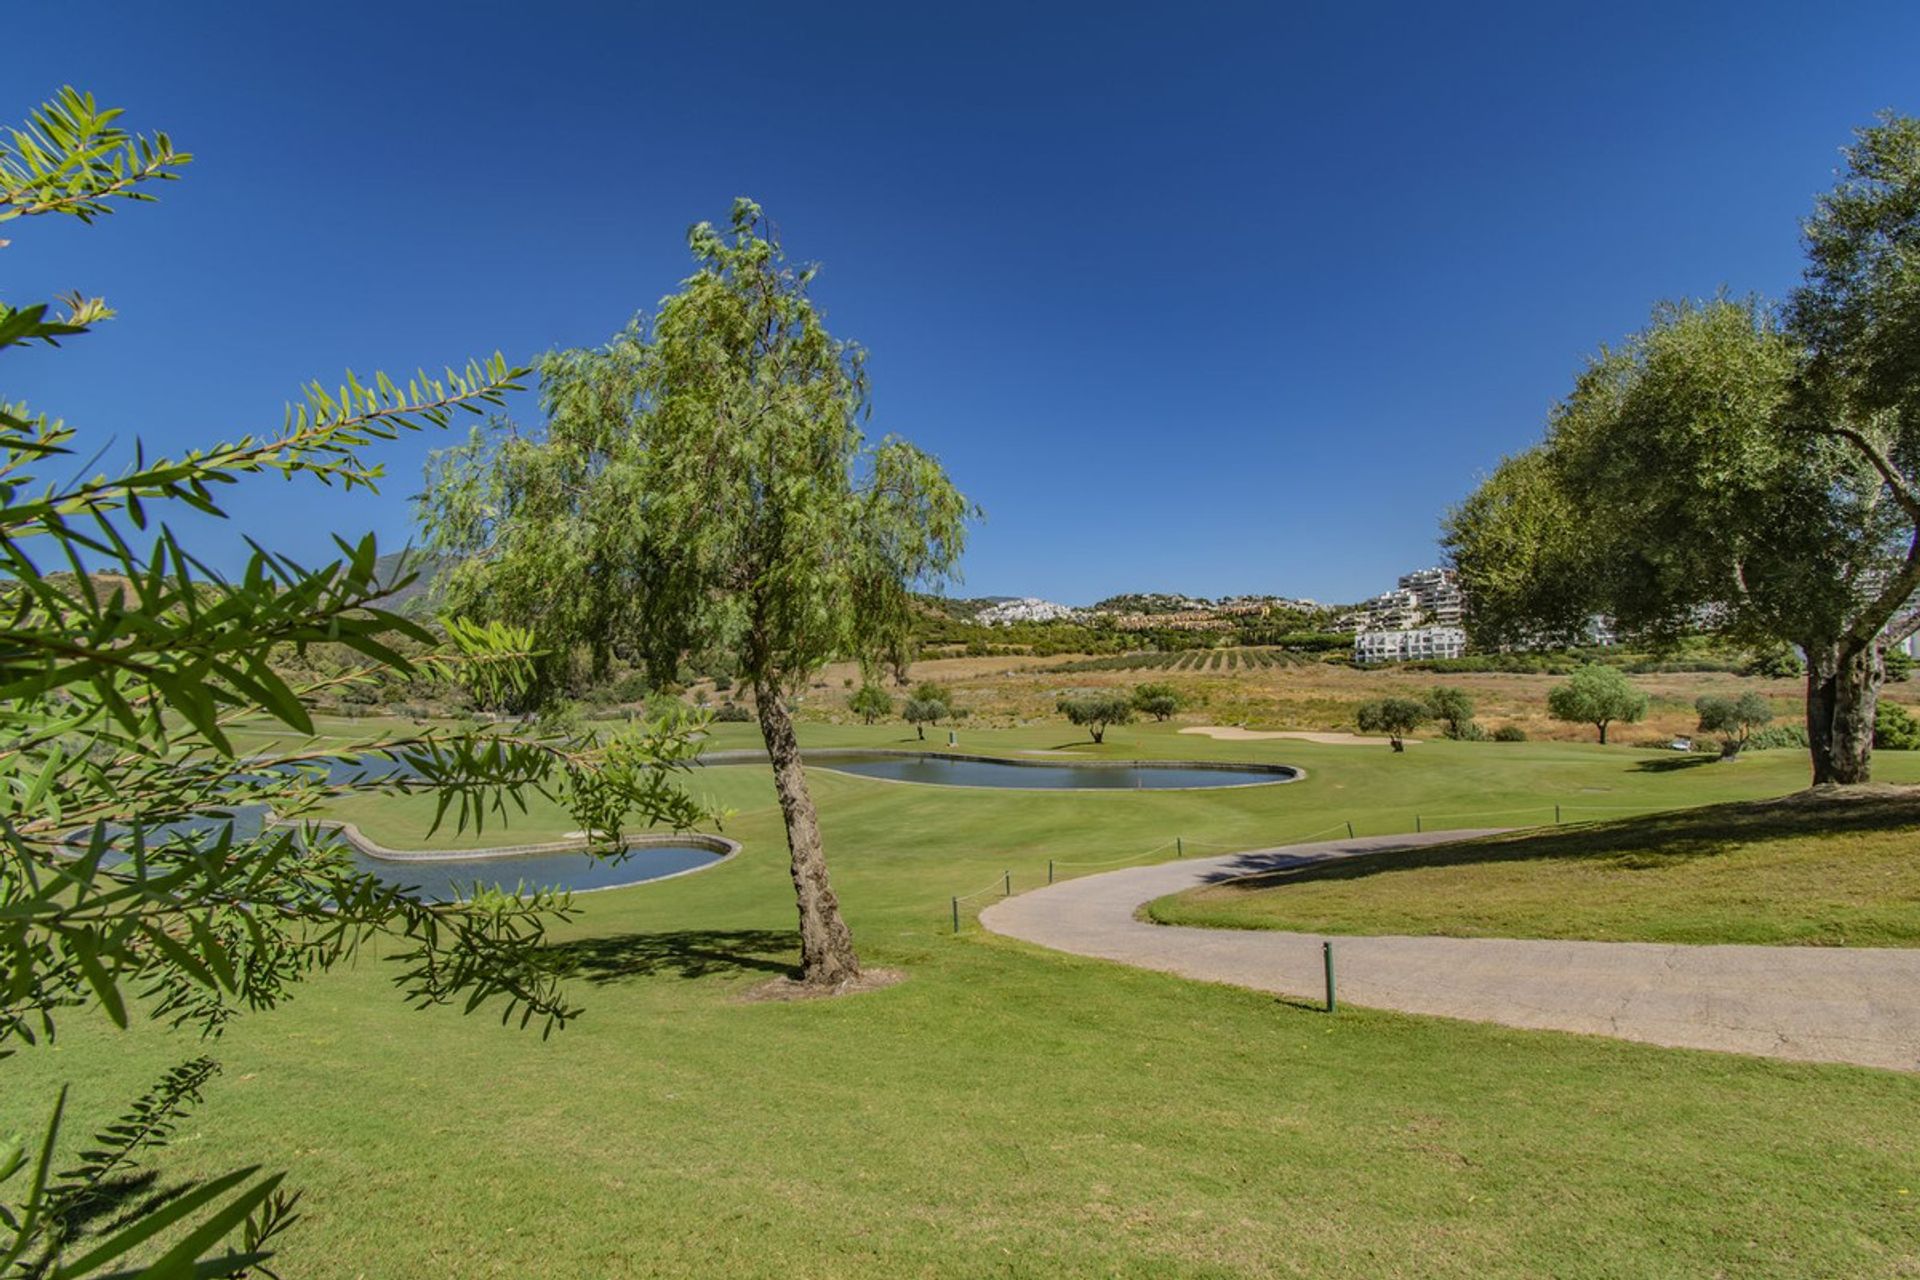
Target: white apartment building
pixel 1410 644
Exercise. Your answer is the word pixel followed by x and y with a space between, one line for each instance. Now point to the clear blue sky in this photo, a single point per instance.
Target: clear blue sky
pixel 1202 297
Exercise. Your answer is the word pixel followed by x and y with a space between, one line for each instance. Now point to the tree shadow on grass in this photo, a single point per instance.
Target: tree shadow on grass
pixel 1631 844
pixel 1674 763
pixel 683 953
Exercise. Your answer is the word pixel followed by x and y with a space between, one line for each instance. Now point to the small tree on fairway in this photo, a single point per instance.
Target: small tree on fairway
pixel 921 712
pixel 703 483
pixel 1157 700
pixel 1597 695
pixel 1734 719
pixel 1094 712
pixel 870 702
pixel 1452 708
pixel 1395 717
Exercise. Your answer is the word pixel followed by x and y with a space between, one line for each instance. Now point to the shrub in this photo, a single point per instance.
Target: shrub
pixel 1894 728
pixel 921 712
pixel 1509 733
pixel 1453 709
pixel 1776 736
pixel 1899 664
pixel 732 713
pixel 870 702
pixel 1775 664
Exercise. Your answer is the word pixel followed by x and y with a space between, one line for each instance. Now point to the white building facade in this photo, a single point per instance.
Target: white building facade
pixel 1410 644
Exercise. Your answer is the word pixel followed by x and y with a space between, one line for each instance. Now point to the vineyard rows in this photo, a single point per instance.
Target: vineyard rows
pixel 1190 660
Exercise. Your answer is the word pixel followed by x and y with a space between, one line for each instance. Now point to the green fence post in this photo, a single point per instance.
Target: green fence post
pixel 1416 822
pixel 1179 847
pixel 1326 954
pixel 1349 831
pixel 1006 885
pixel 1556 815
pixel 956 915
pixel 1049 870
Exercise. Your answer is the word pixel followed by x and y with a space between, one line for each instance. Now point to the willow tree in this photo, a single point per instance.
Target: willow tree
pixel 703 482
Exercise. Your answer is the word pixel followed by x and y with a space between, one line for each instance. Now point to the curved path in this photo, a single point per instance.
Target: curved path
pixel 1819 1004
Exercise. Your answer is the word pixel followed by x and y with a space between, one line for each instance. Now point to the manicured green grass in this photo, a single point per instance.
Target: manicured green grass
pixel 1007 1111
pixel 1832 870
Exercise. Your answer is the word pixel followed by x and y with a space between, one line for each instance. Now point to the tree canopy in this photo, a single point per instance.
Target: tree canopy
pixel 1097 711
pixel 1733 718
pixel 870 702
pixel 703 483
pixel 1598 695
pixel 1160 701
pixel 1394 717
pixel 1739 468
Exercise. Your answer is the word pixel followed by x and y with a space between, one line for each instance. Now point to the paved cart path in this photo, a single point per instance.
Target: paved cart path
pixel 1820 1004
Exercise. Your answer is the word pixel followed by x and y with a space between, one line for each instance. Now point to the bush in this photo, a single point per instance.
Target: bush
pixel 1509 733
pixel 1395 717
pixel 732 713
pixel 1894 728
pixel 1157 700
pixel 1774 664
pixel 722 683
pixel 1095 711
pixel 1736 720
pixel 1899 664
pixel 1777 736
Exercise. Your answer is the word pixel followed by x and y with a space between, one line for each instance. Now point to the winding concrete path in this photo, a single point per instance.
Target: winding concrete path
pixel 1818 1004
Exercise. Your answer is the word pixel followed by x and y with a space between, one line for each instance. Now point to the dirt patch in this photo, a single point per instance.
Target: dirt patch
pixel 785 990
pixel 1234 733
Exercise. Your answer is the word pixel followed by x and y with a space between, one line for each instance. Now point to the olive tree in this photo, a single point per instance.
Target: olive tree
pixel 703 482
pixel 1453 708
pixel 921 712
pixel 870 702
pixel 1157 700
pixel 1740 468
pixel 150 870
pixel 1394 717
pixel 1734 719
pixel 1598 695
pixel 1095 712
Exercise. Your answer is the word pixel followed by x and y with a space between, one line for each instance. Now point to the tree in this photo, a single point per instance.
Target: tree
pixel 703 483
pixel 1741 469
pixel 1895 728
pixel 1395 717
pixel 120 681
pixel 1598 695
pixel 870 702
pixel 1095 712
pixel 1734 719
pixel 1160 701
pixel 1453 708
pixel 921 712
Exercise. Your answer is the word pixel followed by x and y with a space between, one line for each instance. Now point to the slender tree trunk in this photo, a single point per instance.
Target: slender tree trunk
pixel 826 944
pixel 1843 691
pixel 1602 726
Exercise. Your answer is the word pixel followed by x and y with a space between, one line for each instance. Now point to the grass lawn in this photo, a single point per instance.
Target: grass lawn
pixel 1834 870
pixel 1008 1111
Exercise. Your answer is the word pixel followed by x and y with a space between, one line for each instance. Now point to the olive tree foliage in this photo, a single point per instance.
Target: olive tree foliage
pixel 1598 695
pixel 870 702
pixel 703 483
pixel 921 712
pixel 1734 719
pixel 1161 701
pixel 1096 712
pixel 1740 468
pixel 1453 708
pixel 1394 717
pixel 135 877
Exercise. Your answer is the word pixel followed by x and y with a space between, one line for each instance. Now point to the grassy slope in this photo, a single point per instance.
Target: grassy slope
pixel 1008 1111
pixel 1833 871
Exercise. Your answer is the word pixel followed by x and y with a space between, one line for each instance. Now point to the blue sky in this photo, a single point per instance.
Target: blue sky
pixel 1210 298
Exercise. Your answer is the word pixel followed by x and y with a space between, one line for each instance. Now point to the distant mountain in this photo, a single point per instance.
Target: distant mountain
pixel 425 570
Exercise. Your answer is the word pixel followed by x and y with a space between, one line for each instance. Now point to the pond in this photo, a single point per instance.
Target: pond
pixel 448 878
pixel 947 770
